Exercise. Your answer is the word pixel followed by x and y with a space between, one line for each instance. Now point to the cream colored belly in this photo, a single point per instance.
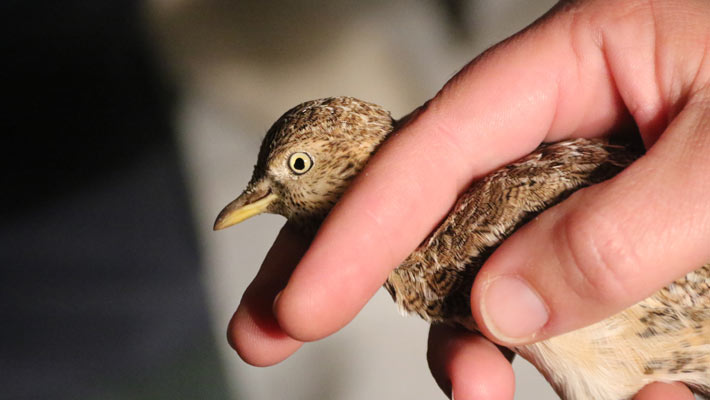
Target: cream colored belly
pixel 615 358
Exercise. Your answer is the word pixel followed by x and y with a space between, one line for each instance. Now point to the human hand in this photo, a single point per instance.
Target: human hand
pixel 585 69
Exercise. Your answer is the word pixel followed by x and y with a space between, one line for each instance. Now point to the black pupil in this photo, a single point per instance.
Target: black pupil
pixel 299 164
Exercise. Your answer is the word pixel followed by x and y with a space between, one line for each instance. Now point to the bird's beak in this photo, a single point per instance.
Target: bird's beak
pixel 253 201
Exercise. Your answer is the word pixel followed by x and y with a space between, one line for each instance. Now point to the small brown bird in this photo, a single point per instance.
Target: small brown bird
pixel 311 154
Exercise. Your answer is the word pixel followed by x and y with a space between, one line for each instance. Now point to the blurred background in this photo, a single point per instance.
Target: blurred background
pixel 129 124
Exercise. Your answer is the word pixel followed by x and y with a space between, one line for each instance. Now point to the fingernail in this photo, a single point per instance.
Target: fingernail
pixel 512 310
pixel 276 300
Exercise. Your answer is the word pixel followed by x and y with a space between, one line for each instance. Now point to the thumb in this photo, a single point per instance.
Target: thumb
pixel 607 246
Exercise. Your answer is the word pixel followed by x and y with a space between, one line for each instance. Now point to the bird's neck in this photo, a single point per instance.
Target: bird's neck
pixel 307 225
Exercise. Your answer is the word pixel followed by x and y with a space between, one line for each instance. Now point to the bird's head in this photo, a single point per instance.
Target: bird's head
pixel 307 160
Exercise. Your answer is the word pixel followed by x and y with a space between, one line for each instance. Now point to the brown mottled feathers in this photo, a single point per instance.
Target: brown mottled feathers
pixel 665 337
pixel 434 282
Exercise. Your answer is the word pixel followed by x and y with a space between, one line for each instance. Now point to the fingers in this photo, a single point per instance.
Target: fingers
pixel 608 246
pixel 253 331
pixel 468 365
pixel 497 109
pixel 665 391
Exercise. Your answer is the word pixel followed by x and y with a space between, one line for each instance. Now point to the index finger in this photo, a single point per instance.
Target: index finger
pixel 538 85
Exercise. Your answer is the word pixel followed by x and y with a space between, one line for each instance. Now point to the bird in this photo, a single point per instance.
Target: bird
pixel 312 153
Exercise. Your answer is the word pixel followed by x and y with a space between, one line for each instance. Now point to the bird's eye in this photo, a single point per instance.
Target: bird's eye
pixel 300 163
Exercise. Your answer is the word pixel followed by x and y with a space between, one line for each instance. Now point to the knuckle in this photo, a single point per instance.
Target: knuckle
pixel 597 259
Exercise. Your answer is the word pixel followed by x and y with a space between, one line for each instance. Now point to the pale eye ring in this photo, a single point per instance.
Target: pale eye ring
pixel 300 163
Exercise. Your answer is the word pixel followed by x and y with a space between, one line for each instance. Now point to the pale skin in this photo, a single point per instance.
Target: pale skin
pixel 584 70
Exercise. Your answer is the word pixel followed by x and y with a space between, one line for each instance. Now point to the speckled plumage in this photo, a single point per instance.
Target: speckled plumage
pixel 665 337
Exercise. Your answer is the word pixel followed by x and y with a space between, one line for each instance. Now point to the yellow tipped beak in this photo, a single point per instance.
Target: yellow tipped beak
pixel 241 209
